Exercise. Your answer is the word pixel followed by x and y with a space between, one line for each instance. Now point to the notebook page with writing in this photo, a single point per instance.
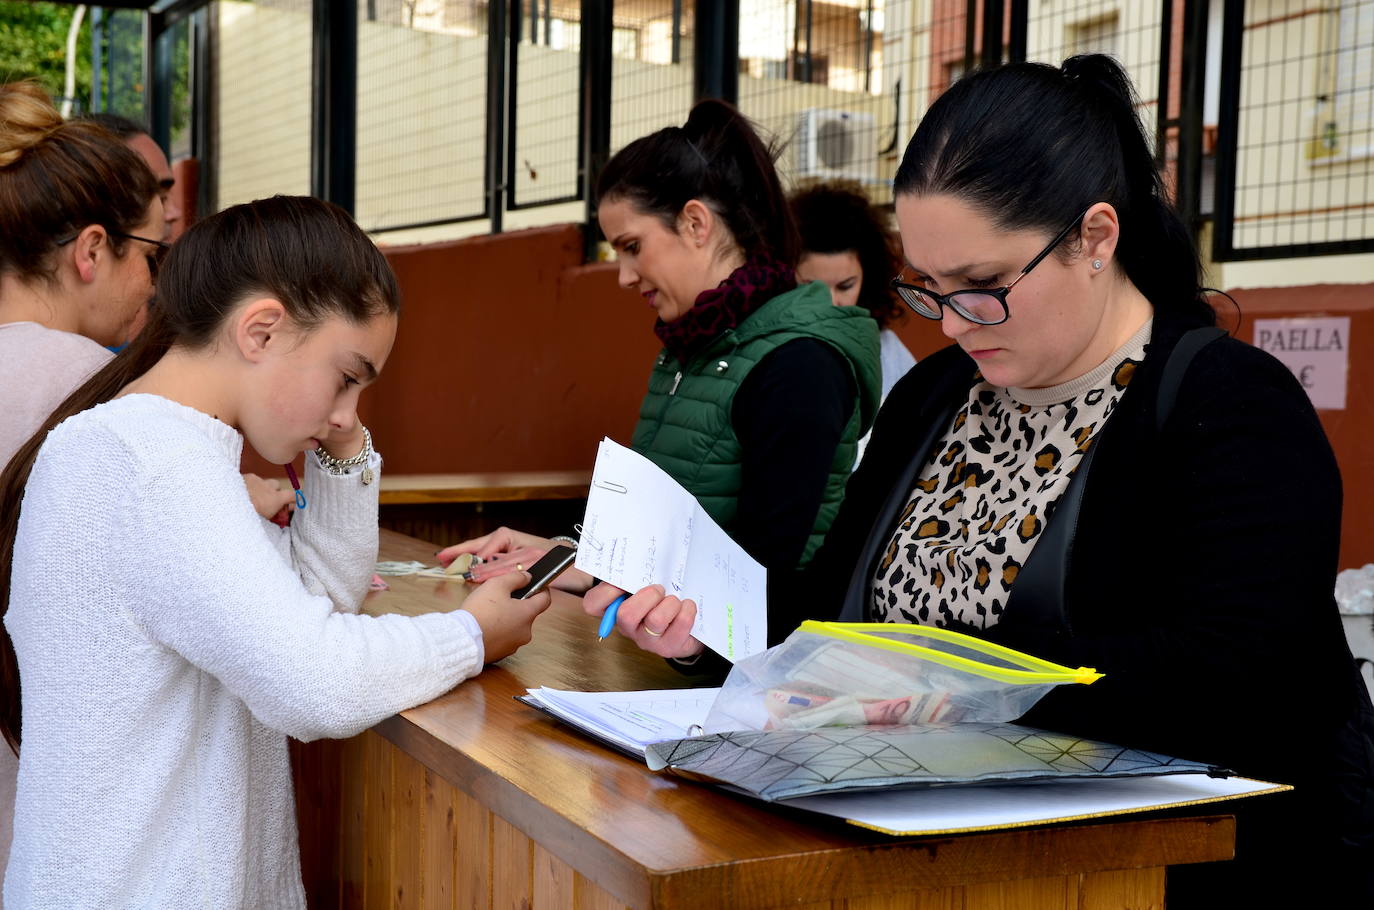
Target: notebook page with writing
pixel 630 720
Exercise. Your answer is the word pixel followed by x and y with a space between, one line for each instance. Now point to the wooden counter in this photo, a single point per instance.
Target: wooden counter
pixel 517 486
pixel 476 800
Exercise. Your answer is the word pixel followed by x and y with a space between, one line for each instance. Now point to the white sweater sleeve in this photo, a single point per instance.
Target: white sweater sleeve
pixel 332 542
pixel 206 581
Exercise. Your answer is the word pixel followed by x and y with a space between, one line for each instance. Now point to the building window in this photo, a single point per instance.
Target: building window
pixel 1096 36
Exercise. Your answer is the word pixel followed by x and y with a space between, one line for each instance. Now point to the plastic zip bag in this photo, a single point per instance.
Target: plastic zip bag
pixel 847 674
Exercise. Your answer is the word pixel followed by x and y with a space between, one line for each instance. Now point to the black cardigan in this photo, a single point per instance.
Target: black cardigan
pixel 1199 578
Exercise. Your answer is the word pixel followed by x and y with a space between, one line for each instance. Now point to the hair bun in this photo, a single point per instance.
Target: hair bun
pixel 709 118
pixel 27 117
pixel 1101 73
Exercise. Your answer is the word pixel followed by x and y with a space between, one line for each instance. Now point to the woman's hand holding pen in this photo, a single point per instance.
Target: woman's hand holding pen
pixel 659 623
pixel 507 550
pixel 505 622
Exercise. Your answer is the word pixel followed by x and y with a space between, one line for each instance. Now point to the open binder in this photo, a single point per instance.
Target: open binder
pixel 899 780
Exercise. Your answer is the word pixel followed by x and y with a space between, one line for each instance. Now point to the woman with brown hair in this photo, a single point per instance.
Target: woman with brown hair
pixel 80 237
pixel 763 389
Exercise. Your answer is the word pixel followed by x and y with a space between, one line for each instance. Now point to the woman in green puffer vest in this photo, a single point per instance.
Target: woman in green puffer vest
pixel 763 388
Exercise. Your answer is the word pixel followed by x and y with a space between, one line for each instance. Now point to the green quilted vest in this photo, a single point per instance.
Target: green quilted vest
pixel 684 423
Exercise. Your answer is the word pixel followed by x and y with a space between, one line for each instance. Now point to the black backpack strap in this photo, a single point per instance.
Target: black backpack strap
pixel 1193 341
pixel 1039 592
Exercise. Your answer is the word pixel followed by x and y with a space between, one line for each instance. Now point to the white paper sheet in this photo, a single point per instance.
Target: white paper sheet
pixel 632 720
pixel 642 528
pixel 947 810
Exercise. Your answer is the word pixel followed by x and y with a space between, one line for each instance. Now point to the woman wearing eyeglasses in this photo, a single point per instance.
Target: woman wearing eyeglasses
pixel 75 269
pixel 1095 474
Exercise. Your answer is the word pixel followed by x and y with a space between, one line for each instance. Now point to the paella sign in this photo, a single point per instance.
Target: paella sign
pixel 1316 349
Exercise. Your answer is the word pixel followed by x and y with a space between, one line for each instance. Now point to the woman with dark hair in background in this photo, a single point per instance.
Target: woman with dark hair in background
pixel 761 393
pixel 168 640
pixel 1096 474
pixel 847 246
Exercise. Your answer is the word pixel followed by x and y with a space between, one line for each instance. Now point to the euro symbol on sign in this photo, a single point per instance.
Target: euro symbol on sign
pixel 1305 376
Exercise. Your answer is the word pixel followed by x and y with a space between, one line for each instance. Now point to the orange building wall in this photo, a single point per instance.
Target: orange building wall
pixel 511 356
pixel 1351 430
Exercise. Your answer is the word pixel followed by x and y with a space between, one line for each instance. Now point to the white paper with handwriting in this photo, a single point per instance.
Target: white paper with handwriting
pixel 642 528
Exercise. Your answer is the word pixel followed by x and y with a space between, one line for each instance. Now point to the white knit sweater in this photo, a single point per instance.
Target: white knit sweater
pixel 169 641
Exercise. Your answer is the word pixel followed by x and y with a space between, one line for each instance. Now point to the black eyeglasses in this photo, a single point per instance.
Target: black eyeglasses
pixel 154 259
pixel 981 307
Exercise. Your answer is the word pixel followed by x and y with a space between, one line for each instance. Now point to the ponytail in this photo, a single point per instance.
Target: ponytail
pixel 1031 146
pixel 718 158
pixel 1158 256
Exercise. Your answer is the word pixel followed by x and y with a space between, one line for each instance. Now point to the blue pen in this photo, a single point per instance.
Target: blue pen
pixel 608 618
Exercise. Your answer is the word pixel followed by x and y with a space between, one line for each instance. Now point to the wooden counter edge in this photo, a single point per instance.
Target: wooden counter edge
pixel 882 868
pixel 429 489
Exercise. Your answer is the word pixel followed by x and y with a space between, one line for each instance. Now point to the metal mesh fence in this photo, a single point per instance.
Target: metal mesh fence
pixel 844 83
pixel 262 99
pixel 826 82
pixel 840 84
pixel 1303 165
pixel 1130 32
pixel 421 144
pixel 651 67
pixel 543 163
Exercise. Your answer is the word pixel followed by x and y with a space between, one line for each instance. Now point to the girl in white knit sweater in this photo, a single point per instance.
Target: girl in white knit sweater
pixel 166 640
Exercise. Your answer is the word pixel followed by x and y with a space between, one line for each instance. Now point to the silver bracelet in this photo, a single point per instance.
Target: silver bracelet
pixel 563 538
pixel 340 466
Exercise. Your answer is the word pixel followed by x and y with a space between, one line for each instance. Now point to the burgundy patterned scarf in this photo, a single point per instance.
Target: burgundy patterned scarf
pixel 725 306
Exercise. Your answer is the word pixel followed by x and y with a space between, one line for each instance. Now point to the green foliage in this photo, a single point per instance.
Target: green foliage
pixel 33 44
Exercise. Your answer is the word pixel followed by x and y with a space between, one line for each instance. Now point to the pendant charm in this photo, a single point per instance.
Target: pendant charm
pixel 367 476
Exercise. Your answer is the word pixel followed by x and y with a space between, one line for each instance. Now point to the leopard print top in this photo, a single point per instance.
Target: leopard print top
pixel 989 488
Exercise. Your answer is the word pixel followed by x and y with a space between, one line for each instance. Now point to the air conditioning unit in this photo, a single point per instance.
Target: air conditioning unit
pixel 836 145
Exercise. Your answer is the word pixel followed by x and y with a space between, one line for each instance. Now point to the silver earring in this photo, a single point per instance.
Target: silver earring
pixel 1097 264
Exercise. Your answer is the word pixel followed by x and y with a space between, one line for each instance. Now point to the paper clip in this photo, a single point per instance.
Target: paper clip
pixel 613 487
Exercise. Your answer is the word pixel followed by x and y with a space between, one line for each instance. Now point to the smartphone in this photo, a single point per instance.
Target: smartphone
pixel 549 567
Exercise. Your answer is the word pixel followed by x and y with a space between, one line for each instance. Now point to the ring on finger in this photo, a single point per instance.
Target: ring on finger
pixel 650 632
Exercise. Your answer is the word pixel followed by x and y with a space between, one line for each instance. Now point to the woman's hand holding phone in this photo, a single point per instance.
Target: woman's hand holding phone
pixel 505 621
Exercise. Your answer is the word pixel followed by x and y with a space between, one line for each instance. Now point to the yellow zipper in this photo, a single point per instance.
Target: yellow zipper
pixel 1036 671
